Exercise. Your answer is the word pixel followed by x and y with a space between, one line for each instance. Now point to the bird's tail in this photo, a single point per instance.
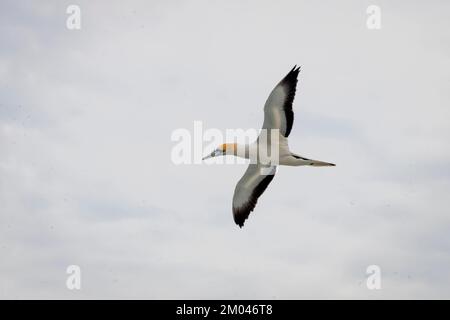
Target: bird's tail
pixel 317 163
pixel 301 161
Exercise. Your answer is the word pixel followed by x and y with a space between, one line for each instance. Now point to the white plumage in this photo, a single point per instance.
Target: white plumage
pixel 278 116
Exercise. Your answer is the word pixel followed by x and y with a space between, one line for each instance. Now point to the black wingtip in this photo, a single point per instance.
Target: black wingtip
pixel 293 74
pixel 239 220
pixel 296 69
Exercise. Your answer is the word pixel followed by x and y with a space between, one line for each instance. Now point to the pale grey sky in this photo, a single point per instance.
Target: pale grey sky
pixel 86 176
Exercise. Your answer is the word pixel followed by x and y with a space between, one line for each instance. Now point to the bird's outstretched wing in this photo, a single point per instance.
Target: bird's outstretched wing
pixel 249 188
pixel 278 112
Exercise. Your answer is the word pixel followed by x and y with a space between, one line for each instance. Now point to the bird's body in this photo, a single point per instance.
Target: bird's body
pixel 285 156
pixel 270 150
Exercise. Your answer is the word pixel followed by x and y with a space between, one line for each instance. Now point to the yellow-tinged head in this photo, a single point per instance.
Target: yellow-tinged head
pixel 228 148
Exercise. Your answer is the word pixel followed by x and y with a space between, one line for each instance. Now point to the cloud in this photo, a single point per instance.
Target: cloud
pixel 86 178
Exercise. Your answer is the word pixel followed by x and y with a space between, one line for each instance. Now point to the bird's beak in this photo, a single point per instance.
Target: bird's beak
pixel 207 157
pixel 215 153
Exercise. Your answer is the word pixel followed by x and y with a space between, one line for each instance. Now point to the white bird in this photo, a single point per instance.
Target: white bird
pixel 278 115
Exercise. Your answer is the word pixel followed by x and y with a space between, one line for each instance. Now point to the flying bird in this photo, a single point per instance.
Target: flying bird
pixel 278 117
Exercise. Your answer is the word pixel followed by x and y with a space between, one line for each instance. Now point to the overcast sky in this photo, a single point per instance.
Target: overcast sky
pixel 86 176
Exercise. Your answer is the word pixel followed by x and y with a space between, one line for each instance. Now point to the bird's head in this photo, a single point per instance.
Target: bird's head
pixel 223 149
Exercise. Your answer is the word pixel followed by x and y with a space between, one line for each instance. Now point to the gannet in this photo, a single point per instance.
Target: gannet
pixel 278 116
